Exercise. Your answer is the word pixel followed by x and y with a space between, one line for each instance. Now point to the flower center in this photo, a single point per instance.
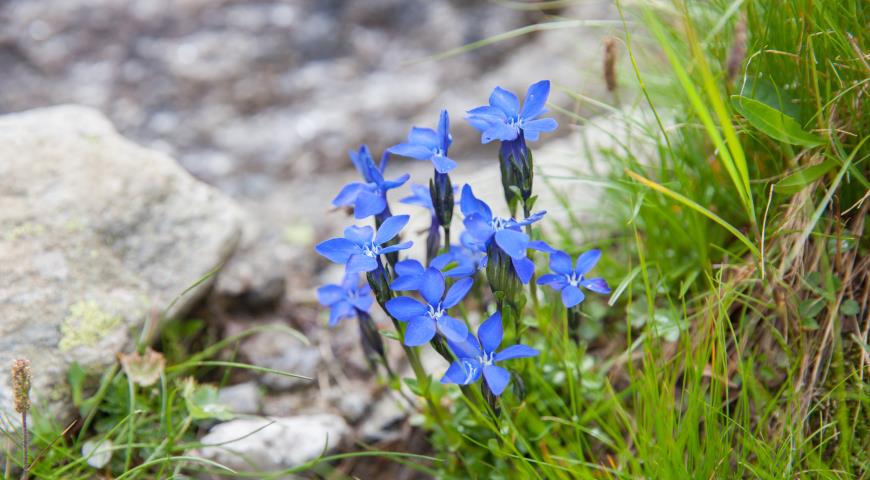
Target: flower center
pixel 499 223
pixel 574 279
pixel 371 250
pixel 436 311
pixel 487 358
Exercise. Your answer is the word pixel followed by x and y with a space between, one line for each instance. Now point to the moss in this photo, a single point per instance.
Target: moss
pixel 25 230
pixel 85 325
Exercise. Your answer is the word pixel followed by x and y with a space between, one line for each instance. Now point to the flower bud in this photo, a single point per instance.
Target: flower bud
pixel 379 280
pixel 503 280
pixel 517 172
pixel 490 398
pixel 442 198
pixel 370 338
pixel 433 240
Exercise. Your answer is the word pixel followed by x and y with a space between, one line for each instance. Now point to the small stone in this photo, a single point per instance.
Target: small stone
pixel 281 352
pixel 268 444
pixel 241 398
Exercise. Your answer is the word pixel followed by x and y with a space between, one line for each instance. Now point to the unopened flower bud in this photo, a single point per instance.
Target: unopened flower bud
pixel 442 198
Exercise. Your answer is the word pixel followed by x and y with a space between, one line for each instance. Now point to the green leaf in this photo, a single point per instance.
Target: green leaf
pixel 799 179
pixel 850 307
pixel 202 402
pixel 773 122
pixel 810 308
pixel 76 377
pixel 413 386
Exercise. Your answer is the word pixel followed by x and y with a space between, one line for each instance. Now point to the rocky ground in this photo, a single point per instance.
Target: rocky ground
pixel 262 99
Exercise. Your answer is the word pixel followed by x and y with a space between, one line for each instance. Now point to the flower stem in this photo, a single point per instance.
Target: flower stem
pixel 26 439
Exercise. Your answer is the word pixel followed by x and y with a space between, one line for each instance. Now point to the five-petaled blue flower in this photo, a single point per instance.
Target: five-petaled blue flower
pixel 503 119
pixel 410 273
pixel 568 280
pixel 506 232
pixel 360 247
pixel 347 299
pixel 427 144
pixel 478 355
pixel 368 198
pixel 424 319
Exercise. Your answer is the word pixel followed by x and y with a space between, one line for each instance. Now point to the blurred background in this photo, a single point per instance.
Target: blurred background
pixel 247 94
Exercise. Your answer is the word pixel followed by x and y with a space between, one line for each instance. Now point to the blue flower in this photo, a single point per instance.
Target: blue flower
pixel 410 273
pixel 427 144
pixel 484 228
pixel 478 355
pixel 345 300
pixel 504 120
pixel 568 280
pixel 369 198
pixel 424 319
pixel 360 247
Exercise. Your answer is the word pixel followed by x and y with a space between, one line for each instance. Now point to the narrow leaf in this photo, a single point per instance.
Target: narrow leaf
pixel 774 123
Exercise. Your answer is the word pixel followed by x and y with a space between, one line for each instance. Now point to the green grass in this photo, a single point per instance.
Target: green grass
pixel 735 342
pixel 744 234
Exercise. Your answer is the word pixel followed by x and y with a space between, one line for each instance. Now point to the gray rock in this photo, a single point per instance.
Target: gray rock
pixel 243 398
pixel 281 352
pixel 268 444
pixel 97 235
pixel 384 422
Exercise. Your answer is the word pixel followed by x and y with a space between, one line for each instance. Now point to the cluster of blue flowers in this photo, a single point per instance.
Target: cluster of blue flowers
pixel 419 297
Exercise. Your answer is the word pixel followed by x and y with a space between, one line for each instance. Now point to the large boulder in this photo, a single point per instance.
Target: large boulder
pixel 97 237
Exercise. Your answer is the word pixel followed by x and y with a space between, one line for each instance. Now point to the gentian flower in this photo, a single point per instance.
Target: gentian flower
pixel 568 280
pixel 476 355
pixel 506 233
pixel 361 247
pixel 424 319
pixel 427 144
pixel 504 120
pixel 346 300
pixel 410 273
pixel 368 198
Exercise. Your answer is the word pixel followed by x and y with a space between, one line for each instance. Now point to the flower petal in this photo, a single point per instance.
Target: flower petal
pixel 391 184
pixel 469 347
pixel 390 228
pixel 409 267
pixel 368 203
pixel 420 330
pixel 462 372
pixel 329 294
pixel 405 308
pixel 541 246
pixel 560 262
pixel 457 292
pixel 432 287
pixel 500 131
pixel 497 378
pixel 536 99
pixel 479 229
pixel 425 137
pixel 444 131
pixel 572 296
pixel 515 351
pixel 412 150
pixel 406 283
pixel 360 263
pixel 348 194
pixel 359 235
pixel 525 268
pixel 469 204
pixel 396 247
pixel 505 101
pixel 452 329
pixel 533 129
pixel 597 285
pixel 548 279
pixel 586 261
pixel 361 302
pixel 443 164
pixel 490 333
pixel 513 242
pixel 337 250
pixel 342 309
